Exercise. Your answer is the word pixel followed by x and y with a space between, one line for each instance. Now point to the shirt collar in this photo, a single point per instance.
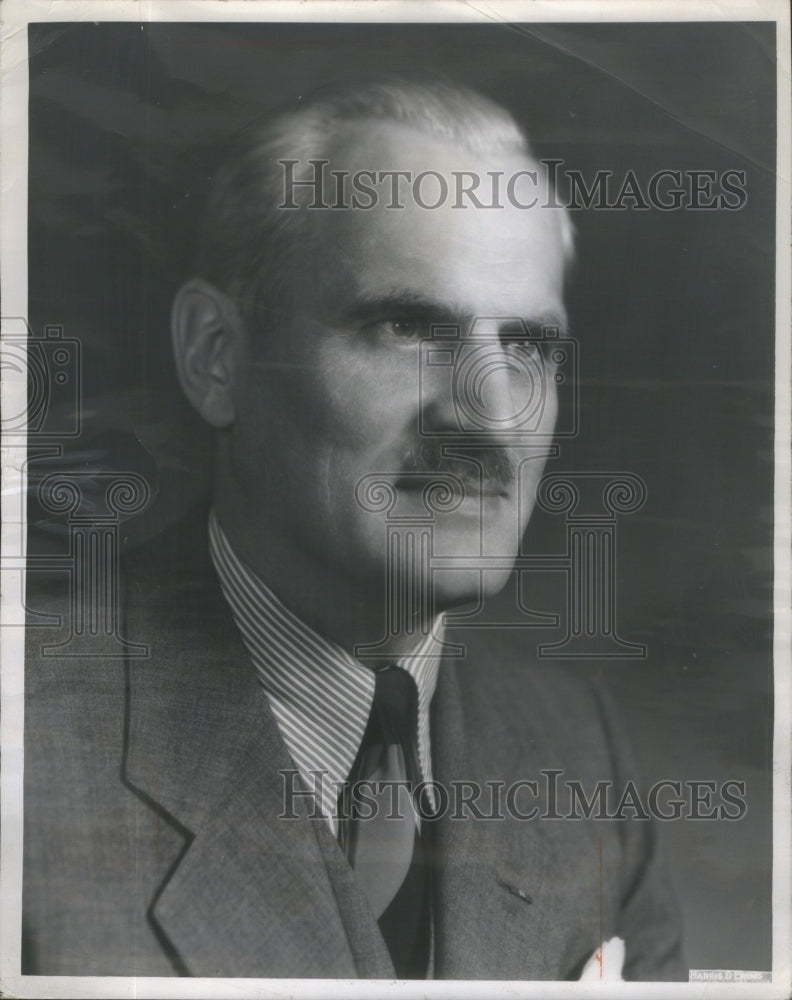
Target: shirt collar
pixel 320 694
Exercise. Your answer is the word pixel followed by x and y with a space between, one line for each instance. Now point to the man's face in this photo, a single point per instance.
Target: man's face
pixel 344 389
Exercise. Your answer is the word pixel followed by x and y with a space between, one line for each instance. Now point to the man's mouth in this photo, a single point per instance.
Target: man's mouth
pixel 472 487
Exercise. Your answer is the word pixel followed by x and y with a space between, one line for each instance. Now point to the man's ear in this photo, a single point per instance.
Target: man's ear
pixel 208 342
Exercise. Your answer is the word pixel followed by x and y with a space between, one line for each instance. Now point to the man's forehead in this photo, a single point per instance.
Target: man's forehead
pixel 404 243
pixel 471 263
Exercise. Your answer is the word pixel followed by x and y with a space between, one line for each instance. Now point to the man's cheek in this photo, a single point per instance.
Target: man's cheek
pixel 372 430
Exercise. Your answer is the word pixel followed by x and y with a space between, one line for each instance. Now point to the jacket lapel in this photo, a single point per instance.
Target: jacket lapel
pixel 252 889
pixel 247 892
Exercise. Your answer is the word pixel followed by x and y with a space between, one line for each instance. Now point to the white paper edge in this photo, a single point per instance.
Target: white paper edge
pixel 14 16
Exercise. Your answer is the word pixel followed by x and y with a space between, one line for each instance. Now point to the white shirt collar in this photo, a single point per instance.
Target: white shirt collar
pixel 321 696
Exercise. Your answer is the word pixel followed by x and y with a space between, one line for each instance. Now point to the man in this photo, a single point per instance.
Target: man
pixel 201 811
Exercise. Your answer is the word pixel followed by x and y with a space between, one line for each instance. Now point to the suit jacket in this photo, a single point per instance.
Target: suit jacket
pixel 153 843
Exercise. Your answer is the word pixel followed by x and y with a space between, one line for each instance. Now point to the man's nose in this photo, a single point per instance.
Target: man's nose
pixel 482 382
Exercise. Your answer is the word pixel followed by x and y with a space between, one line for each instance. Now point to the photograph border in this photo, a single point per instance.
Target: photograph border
pixel 15 15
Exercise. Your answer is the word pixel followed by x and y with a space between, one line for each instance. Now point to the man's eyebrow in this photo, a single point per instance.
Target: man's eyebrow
pixel 409 305
pixel 548 321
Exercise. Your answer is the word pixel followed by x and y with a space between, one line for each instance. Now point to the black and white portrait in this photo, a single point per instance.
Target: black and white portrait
pixel 397 483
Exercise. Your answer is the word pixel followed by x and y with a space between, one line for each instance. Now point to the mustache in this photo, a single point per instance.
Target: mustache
pixel 493 464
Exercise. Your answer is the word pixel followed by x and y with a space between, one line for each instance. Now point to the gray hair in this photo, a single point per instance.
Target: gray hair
pixel 248 247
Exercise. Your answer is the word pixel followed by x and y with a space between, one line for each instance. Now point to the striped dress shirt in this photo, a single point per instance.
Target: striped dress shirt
pixel 321 696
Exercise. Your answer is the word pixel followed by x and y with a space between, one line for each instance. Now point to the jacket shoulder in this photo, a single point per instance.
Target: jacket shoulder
pixel 526 704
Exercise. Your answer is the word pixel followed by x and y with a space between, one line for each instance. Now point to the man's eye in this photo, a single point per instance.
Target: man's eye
pixel 400 328
pixel 404 328
pixel 517 339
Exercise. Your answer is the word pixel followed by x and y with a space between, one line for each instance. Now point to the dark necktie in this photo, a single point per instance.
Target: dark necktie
pixel 385 849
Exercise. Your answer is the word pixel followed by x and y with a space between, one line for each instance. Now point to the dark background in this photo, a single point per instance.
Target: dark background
pixel 673 312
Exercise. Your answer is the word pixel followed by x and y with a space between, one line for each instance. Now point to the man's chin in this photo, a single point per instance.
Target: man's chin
pixel 466 538
pixel 453 589
pixel 472 558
